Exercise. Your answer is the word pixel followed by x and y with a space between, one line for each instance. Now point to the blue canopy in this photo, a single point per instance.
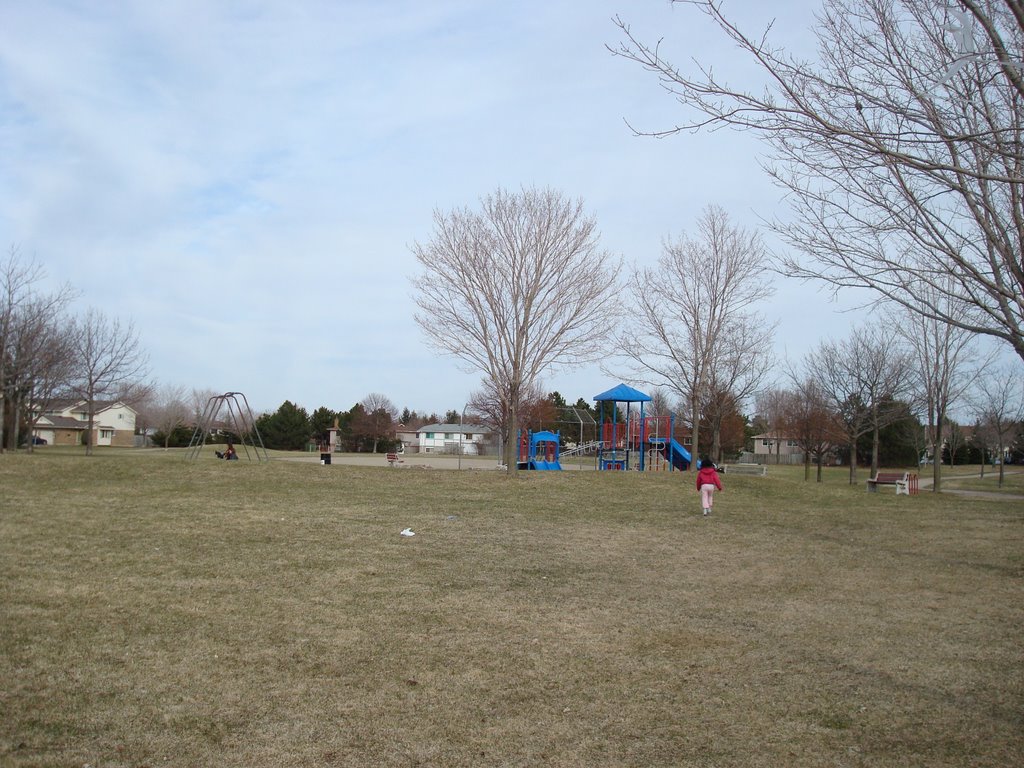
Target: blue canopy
pixel 543 437
pixel 623 394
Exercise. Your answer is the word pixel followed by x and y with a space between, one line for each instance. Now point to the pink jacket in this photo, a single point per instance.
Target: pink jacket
pixel 708 475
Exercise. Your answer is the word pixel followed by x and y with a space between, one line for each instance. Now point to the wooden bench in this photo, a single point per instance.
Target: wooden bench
pixel 902 480
pixel 395 458
pixel 744 469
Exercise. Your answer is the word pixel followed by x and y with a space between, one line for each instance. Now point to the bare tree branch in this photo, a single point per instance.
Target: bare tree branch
pixel 516 289
pixel 899 148
pixel 697 333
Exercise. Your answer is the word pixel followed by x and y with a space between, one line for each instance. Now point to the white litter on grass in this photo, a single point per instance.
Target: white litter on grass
pixel 407 532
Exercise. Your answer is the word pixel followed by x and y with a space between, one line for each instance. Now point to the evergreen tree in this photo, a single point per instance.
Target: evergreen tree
pixel 320 423
pixel 288 429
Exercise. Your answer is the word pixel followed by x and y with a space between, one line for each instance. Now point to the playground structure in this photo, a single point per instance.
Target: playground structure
pixel 539 450
pixel 641 442
pixel 240 422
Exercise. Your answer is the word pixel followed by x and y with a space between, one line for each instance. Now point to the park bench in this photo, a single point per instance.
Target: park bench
pixel 745 469
pixel 394 458
pixel 905 482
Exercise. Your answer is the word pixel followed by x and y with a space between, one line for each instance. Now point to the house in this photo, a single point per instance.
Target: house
pixel 66 422
pixel 408 437
pixel 768 445
pixel 471 439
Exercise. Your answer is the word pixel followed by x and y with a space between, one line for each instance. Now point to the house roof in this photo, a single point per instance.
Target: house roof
pixel 623 394
pixel 61 422
pixel 453 428
pixel 67 404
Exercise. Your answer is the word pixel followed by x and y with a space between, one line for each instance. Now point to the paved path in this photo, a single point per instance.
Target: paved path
pixel 926 482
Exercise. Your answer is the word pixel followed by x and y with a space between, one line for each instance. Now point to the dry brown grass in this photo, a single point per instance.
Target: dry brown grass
pixel 156 613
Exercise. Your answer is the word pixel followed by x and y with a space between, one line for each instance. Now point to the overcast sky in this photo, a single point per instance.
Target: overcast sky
pixel 243 180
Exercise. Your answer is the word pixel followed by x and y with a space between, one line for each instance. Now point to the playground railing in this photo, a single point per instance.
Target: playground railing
pixel 592 447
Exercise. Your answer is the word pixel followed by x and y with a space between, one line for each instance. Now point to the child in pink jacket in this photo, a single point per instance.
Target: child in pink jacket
pixel 707 482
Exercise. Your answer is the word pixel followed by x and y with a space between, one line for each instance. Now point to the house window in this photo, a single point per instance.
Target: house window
pixel 120 415
pixel 430 435
pixel 469 436
pixel 449 435
pixel 767 443
pixel 791 443
pixel 106 434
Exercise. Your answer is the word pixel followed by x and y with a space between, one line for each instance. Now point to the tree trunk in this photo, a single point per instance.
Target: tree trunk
pixel 512 442
pixel 936 433
pixel 16 422
pixel 853 462
pixel 90 437
pixel 695 430
pixel 875 440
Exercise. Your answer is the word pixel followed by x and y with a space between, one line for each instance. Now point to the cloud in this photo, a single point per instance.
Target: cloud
pixel 245 178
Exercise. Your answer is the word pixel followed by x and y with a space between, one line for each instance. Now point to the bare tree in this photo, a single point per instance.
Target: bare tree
pixel 860 378
pixel 955 441
pixel 43 365
pixel 899 149
pixel 946 360
pixel 108 359
pixel 720 406
pixel 380 416
pixel 745 358
pixel 198 399
pixel 810 422
pixel 773 410
pixel 167 410
pixel 34 347
pixel 695 332
pixel 516 289
pixel 999 405
pixel 487 406
pixel 884 369
pixel 660 403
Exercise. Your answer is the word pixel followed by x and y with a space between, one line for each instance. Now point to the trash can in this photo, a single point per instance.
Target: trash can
pixel 325 458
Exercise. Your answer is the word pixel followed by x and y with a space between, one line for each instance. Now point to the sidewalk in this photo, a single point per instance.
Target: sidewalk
pixel 926 482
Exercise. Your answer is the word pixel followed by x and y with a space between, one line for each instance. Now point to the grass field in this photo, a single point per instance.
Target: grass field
pixel 158 613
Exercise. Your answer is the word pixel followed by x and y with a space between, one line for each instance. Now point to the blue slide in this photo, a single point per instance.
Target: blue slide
pixel 672 450
pixel 539 464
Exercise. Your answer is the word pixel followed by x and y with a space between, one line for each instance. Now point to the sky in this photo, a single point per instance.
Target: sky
pixel 244 180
